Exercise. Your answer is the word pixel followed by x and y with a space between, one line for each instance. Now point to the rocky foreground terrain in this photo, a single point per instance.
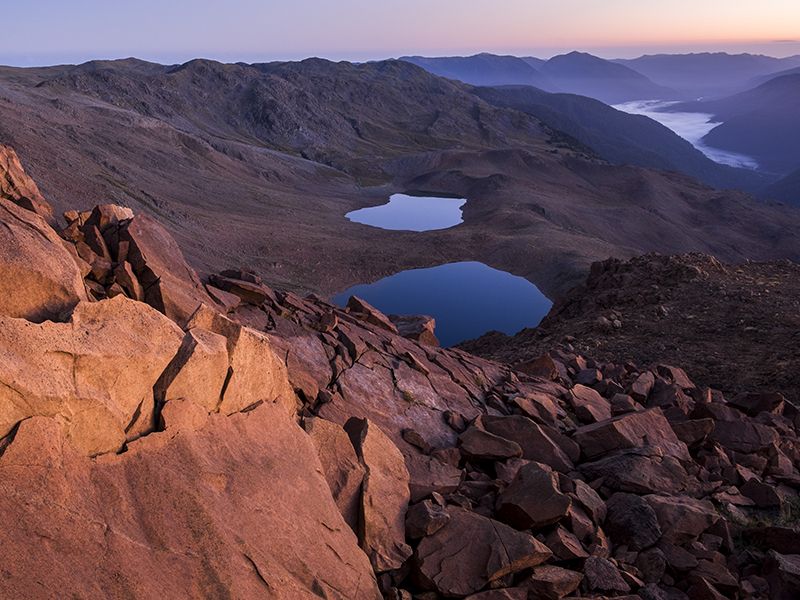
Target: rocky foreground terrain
pixel 165 436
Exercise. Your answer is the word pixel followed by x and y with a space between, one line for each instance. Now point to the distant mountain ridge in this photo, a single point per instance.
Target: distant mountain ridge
pixel 575 72
pixel 708 74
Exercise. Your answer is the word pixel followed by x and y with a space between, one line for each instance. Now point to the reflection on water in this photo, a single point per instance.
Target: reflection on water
pixel 467 299
pixel 412 213
pixel 690 126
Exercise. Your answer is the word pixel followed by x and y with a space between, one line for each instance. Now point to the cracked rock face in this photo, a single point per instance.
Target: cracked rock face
pixel 100 369
pixel 185 514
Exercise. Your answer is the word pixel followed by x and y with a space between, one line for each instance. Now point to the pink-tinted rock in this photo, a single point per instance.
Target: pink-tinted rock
pixel 550 582
pixel 171 285
pixel 535 443
pixel 343 471
pixel 39 279
pixel 471 551
pixel 384 496
pixel 222 507
pixel 96 372
pixel 633 430
pixel 16 186
pixel 533 500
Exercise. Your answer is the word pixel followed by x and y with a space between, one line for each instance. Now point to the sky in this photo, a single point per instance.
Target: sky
pixel 40 32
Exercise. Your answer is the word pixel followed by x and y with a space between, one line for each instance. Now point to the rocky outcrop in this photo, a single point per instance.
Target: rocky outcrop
pixel 39 280
pixel 16 186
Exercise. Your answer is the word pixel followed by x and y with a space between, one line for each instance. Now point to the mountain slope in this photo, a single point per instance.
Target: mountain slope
pixel 762 122
pixel 617 136
pixel 276 446
pixel 260 163
pixel 786 189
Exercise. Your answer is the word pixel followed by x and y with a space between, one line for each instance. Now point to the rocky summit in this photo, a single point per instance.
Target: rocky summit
pixel 177 437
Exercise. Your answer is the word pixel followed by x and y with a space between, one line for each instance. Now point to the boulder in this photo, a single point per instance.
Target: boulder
pixel 565 545
pixel 197 372
pixel 420 328
pixel 250 292
pixel 478 444
pixel 384 496
pixel 550 582
pixel 471 551
pixel 681 518
pixel 640 389
pixel 425 518
pixel 642 471
pixel 743 436
pixel 603 576
pixel 535 443
pixel 543 367
pixel 533 500
pixel 39 278
pixel 783 574
pixel 632 521
pixel 589 406
pixel 170 285
pixel 101 368
pixel 255 373
pixel 366 312
pixel 340 465
pixel 216 512
pixel 633 430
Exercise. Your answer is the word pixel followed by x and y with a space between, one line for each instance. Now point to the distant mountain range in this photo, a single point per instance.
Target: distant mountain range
pixel 709 74
pixel 662 77
pixel 575 73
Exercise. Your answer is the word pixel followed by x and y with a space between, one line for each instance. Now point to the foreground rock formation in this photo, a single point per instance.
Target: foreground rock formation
pixel 168 437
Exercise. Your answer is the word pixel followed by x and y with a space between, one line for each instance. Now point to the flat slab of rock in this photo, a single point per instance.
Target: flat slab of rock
pixel 476 443
pixel 632 430
pixel 471 551
pixel 682 519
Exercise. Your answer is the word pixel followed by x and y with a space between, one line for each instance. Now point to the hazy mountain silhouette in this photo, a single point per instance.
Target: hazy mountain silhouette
pixel 707 74
pixel 576 73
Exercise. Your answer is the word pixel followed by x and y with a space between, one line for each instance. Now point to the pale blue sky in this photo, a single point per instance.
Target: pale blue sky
pixel 51 31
